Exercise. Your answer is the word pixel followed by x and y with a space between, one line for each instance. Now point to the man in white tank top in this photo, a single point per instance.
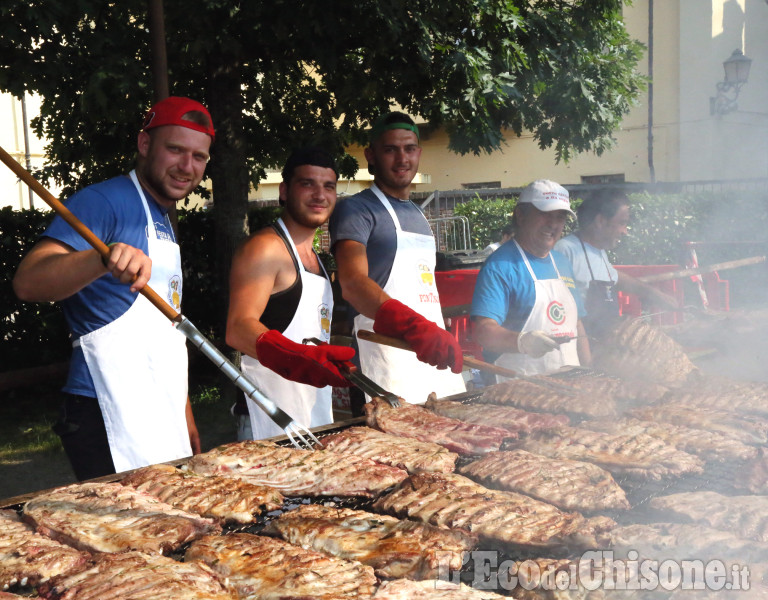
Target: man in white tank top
pixel 280 294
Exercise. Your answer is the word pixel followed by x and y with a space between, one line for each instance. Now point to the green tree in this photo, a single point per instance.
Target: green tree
pixel 282 73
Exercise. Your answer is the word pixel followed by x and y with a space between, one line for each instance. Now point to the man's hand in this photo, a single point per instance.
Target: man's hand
pixel 432 344
pixel 129 265
pixel 312 365
pixel 535 343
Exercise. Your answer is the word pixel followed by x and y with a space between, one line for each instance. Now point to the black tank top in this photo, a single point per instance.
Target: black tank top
pixel 282 306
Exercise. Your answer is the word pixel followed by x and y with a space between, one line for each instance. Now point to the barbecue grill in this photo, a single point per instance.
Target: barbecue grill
pixel 716 477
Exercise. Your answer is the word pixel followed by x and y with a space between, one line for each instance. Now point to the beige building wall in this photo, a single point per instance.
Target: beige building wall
pixel 14 193
pixel 691 39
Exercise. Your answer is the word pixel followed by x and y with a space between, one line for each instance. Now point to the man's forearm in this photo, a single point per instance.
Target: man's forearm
pixel 55 276
pixel 495 338
pixel 364 294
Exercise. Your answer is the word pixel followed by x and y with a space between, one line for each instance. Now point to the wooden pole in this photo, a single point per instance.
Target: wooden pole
pixel 723 266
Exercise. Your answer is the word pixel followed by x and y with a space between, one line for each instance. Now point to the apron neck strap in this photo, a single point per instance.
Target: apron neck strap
pixel 289 240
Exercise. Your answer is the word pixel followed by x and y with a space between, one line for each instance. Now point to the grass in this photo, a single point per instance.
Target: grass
pixel 27 415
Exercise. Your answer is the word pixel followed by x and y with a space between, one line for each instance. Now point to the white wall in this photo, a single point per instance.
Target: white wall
pixel 733 145
pixel 12 191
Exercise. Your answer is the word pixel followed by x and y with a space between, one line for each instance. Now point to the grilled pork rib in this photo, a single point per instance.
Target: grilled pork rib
pixel 568 484
pixel 748 429
pixel 708 445
pixel 394 548
pixel 270 569
pixel 512 419
pixel 679 541
pixel 637 455
pixel 214 497
pixel 28 558
pixel 527 395
pixel 137 576
pixel 638 350
pixel 412 421
pixel 745 516
pixel 109 517
pixel 450 500
pixel 300 472
pixel 403 453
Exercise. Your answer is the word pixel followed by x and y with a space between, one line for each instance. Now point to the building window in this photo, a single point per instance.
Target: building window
pixel 598 179
pixel 482 185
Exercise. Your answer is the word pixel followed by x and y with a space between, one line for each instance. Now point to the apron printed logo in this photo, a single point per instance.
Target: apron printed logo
pixel 174 292
pixel 556 312
pixel 426 276
pixel 325 319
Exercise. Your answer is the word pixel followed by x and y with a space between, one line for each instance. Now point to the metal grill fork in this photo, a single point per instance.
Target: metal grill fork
pixel 301 437
pixel 363 383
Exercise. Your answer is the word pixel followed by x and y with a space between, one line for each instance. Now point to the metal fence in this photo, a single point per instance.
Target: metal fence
pixel 451 233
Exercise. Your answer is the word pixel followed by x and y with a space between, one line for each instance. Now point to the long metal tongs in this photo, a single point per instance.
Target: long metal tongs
pixel 355 377
pixel 299 435
pixel 474 363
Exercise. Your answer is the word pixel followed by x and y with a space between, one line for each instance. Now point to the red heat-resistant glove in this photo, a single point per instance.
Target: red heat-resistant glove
pixel 432 344
pixel 313 365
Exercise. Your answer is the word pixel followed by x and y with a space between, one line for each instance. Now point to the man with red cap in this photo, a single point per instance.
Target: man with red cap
pixel 125 400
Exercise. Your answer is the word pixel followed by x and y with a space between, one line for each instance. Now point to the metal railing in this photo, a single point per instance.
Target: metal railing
pixel 451 233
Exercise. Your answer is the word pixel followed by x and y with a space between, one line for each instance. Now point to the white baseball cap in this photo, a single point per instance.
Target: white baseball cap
pixel 547 196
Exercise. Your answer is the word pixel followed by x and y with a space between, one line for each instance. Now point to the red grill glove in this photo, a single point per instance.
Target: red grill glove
pixel 313 365
pixel 432 344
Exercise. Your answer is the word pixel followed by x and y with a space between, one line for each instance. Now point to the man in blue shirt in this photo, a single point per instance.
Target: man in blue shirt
pixel 125 400
pixel 525 311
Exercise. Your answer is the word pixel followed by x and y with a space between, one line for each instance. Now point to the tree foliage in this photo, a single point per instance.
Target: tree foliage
pixel 308 71
pixel 283 73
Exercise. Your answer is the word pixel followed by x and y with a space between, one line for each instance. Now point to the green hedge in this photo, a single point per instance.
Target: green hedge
pixel 32 333
pixel 35 334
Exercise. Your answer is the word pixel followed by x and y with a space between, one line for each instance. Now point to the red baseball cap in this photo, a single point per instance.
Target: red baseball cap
pixel 171 111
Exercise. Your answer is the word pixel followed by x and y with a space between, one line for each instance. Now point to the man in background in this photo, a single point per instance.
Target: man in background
pixel 525 309
pixel 603 219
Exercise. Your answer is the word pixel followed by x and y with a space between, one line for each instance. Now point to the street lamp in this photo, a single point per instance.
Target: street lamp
pixel 736 69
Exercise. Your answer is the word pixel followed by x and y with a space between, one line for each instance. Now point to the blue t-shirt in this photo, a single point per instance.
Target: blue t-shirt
pixel 364 219
pixel 505 290
pixel 114 212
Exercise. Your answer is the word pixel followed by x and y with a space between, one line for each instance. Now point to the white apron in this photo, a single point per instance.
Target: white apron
pixel 139 368
pixel 309 406
pixel 412 282
pixel 554 312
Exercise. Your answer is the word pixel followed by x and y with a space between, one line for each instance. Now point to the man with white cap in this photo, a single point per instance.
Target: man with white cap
pixel 525 309
pixel 125 402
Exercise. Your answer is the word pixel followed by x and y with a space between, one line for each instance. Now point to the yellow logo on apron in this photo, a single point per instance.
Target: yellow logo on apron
pixel 174 292
pixel 426 276
pixel 325 318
